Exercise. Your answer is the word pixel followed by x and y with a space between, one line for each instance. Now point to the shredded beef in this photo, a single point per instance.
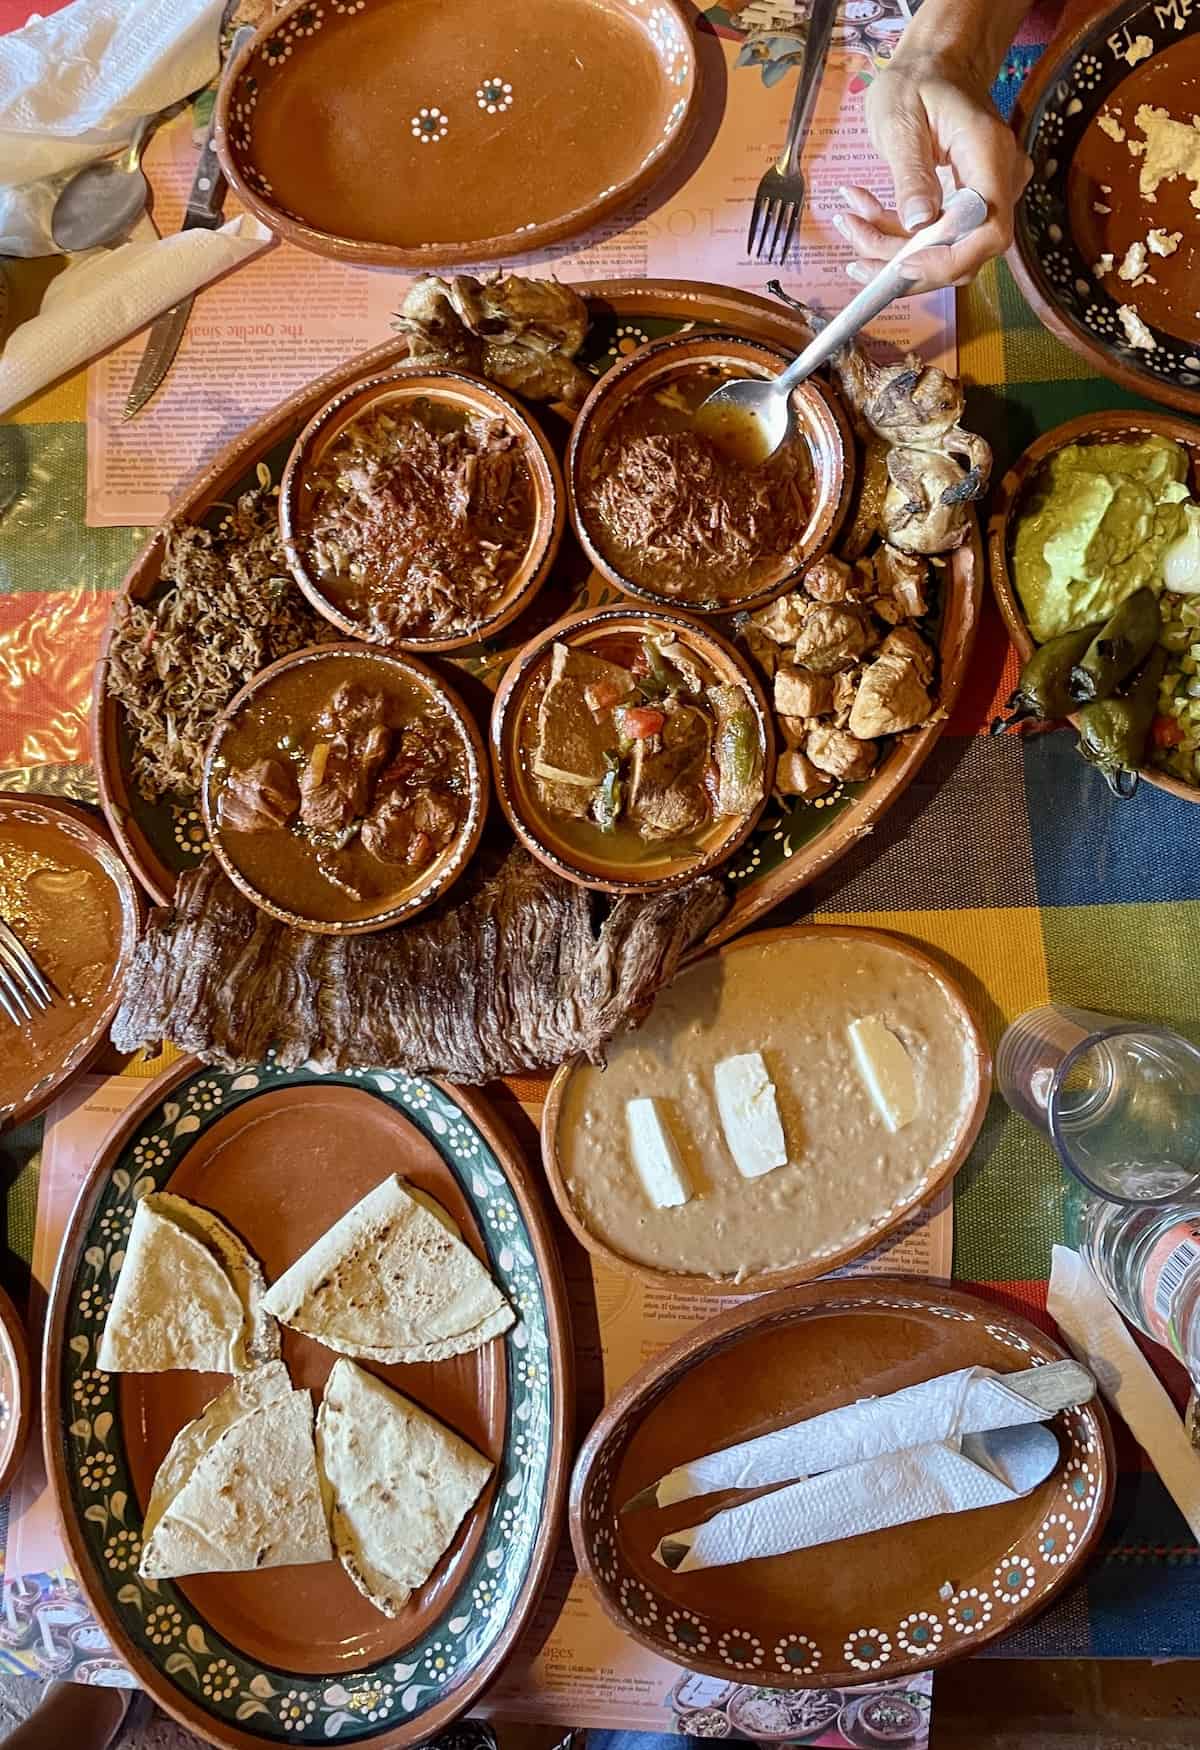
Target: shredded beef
pixel 516 975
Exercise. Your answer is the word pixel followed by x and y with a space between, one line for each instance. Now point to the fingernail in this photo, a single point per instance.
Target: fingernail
pixel 839 220
pixel 856 271
pixel 917 213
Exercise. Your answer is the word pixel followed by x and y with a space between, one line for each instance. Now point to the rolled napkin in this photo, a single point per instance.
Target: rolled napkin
pixel 73 85
pixel 969 1401
pixel 983 1470
pixel 1096 1333
pixel 110 293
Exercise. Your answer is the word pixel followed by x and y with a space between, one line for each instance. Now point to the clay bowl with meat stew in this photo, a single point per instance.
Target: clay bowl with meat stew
pixel 688 514
pixel 345 789
pixel 631 750
pixel 421 509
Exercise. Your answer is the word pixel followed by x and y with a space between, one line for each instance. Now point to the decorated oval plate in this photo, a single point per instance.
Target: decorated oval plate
pixel 874 1608
pixel 1107 249
pixel 296 1655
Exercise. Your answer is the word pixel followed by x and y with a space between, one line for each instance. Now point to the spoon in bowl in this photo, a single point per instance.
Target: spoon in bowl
pixel 103 201
pixel 752 416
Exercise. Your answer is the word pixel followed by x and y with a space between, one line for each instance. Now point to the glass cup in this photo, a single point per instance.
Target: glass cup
pixel 1119 1099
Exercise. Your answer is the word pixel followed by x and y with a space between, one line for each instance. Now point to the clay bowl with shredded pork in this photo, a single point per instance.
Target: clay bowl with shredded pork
pixel 632 750
pixel 421 509
pixel 345 789
pixel 676 511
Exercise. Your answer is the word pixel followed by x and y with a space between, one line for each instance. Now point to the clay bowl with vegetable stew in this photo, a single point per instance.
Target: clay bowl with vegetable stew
pixel 1016 494
pixel 345 789
pixel 421 509
pixel 684 511
pixel 632 751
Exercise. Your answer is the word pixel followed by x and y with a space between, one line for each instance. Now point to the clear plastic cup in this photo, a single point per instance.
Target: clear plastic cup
pixel 1119 1099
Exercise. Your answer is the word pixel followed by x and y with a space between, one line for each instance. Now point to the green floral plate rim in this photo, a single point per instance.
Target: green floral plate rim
pixel 191 1669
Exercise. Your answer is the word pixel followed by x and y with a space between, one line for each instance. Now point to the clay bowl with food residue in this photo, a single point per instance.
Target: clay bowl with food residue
pixel 516 478
pixel 525 732
pixel 693 517
pixel 345 789
pixel 1012 498
pixel 75 908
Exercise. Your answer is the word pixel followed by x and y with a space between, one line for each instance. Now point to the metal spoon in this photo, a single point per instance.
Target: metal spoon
pixel 103 201
pixel 756 412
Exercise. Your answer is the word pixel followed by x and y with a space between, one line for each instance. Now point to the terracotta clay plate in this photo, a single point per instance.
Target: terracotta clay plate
pixel 75 907
pixel 1078 117
pixel 297 1655
pixel 387 132
pixel 794 842
pixel 870 1608
pixel 757 994
pixel 1010 495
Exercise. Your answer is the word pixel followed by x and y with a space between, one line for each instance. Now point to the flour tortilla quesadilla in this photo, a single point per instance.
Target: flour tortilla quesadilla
pixel 398 1485
pixel 189 1294
pixel 392 1281
pixel 239 1488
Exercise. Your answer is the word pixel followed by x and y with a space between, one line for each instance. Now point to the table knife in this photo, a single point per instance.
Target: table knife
pixel 205 208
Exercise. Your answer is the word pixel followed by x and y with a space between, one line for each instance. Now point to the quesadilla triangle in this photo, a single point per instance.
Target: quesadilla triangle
pixel 392 1281
pixel 397 1482
pixel 239 1488
pixel 190 1294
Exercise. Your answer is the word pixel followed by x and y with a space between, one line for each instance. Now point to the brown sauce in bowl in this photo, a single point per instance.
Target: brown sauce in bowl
pixel 67 912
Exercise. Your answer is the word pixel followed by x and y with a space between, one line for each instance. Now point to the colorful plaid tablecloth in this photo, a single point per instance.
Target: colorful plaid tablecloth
pixel 1009 859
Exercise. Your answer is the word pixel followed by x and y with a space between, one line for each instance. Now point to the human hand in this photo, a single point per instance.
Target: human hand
pixel 925 111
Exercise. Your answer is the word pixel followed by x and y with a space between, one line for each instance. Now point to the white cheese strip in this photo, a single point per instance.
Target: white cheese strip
pixel 749 1115
pixel 655 1156
pixel 886 1070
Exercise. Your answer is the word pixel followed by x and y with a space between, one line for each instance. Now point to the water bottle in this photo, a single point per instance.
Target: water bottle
pixel 1148 1260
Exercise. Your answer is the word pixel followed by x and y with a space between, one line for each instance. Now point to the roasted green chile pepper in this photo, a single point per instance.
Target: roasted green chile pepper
pixel 1041 694
pixel 1122 644
pixel 1113 732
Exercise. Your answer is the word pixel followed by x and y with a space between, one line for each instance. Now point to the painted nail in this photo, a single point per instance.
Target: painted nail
pixel 918 212
pixel 856 271
pixel 839 221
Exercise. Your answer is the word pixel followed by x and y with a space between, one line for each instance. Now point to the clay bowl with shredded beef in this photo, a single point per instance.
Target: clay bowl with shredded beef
pixel 632 749
pixel 421 510
pixel 676 514
pixel 345 789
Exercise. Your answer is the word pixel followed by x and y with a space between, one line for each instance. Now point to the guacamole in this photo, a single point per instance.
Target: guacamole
pixel 1094 527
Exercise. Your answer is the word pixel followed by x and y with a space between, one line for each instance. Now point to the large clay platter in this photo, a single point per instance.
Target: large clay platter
pixel 1006 505
pixel 1083 198
pixel 396 134
pixel 296 1655
pixel 792 844
pixel 869 1609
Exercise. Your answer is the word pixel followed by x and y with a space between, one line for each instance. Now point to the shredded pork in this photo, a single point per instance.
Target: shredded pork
pixel 175 663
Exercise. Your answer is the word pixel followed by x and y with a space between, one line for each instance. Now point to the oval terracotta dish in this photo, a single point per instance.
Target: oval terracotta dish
pixel 744 1235
pixel 513 730
pixel 460 395
pixel 75 908
pixel 1006 506
pixel 242 1658
pixel 866 1609
pixel 1077 115
pixel 334 664
pixel 358 131
pixel 660 366
pixel 16 1400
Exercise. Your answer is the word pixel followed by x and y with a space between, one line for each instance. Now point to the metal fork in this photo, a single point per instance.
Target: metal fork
pixel 780 198
pixel 22 983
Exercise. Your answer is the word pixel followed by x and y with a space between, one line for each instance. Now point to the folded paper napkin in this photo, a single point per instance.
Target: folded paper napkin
pixel 72 87
pixel 981 1470
pixel 943 1409
pixel 1097 1335
pixel 110 293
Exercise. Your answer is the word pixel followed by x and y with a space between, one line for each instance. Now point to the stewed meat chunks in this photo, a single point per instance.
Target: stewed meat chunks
pixel 635 738
pixel 336 778
pixel 263 798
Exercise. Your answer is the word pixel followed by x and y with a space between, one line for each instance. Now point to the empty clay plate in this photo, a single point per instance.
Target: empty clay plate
pixel 395 133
